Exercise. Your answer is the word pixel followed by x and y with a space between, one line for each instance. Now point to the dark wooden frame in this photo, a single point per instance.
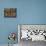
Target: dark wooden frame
pixel 10 12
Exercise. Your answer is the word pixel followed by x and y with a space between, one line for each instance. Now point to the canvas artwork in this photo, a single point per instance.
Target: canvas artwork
pixel 10 12
pixel 33 32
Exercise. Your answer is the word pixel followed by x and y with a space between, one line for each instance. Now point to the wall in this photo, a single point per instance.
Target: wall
pixel 28 12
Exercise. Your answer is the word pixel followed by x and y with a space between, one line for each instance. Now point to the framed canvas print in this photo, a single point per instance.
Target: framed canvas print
pixel 10 12
pixel 32 32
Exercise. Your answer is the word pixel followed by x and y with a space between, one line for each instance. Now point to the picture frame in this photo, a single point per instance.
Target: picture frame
pixel 10 12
